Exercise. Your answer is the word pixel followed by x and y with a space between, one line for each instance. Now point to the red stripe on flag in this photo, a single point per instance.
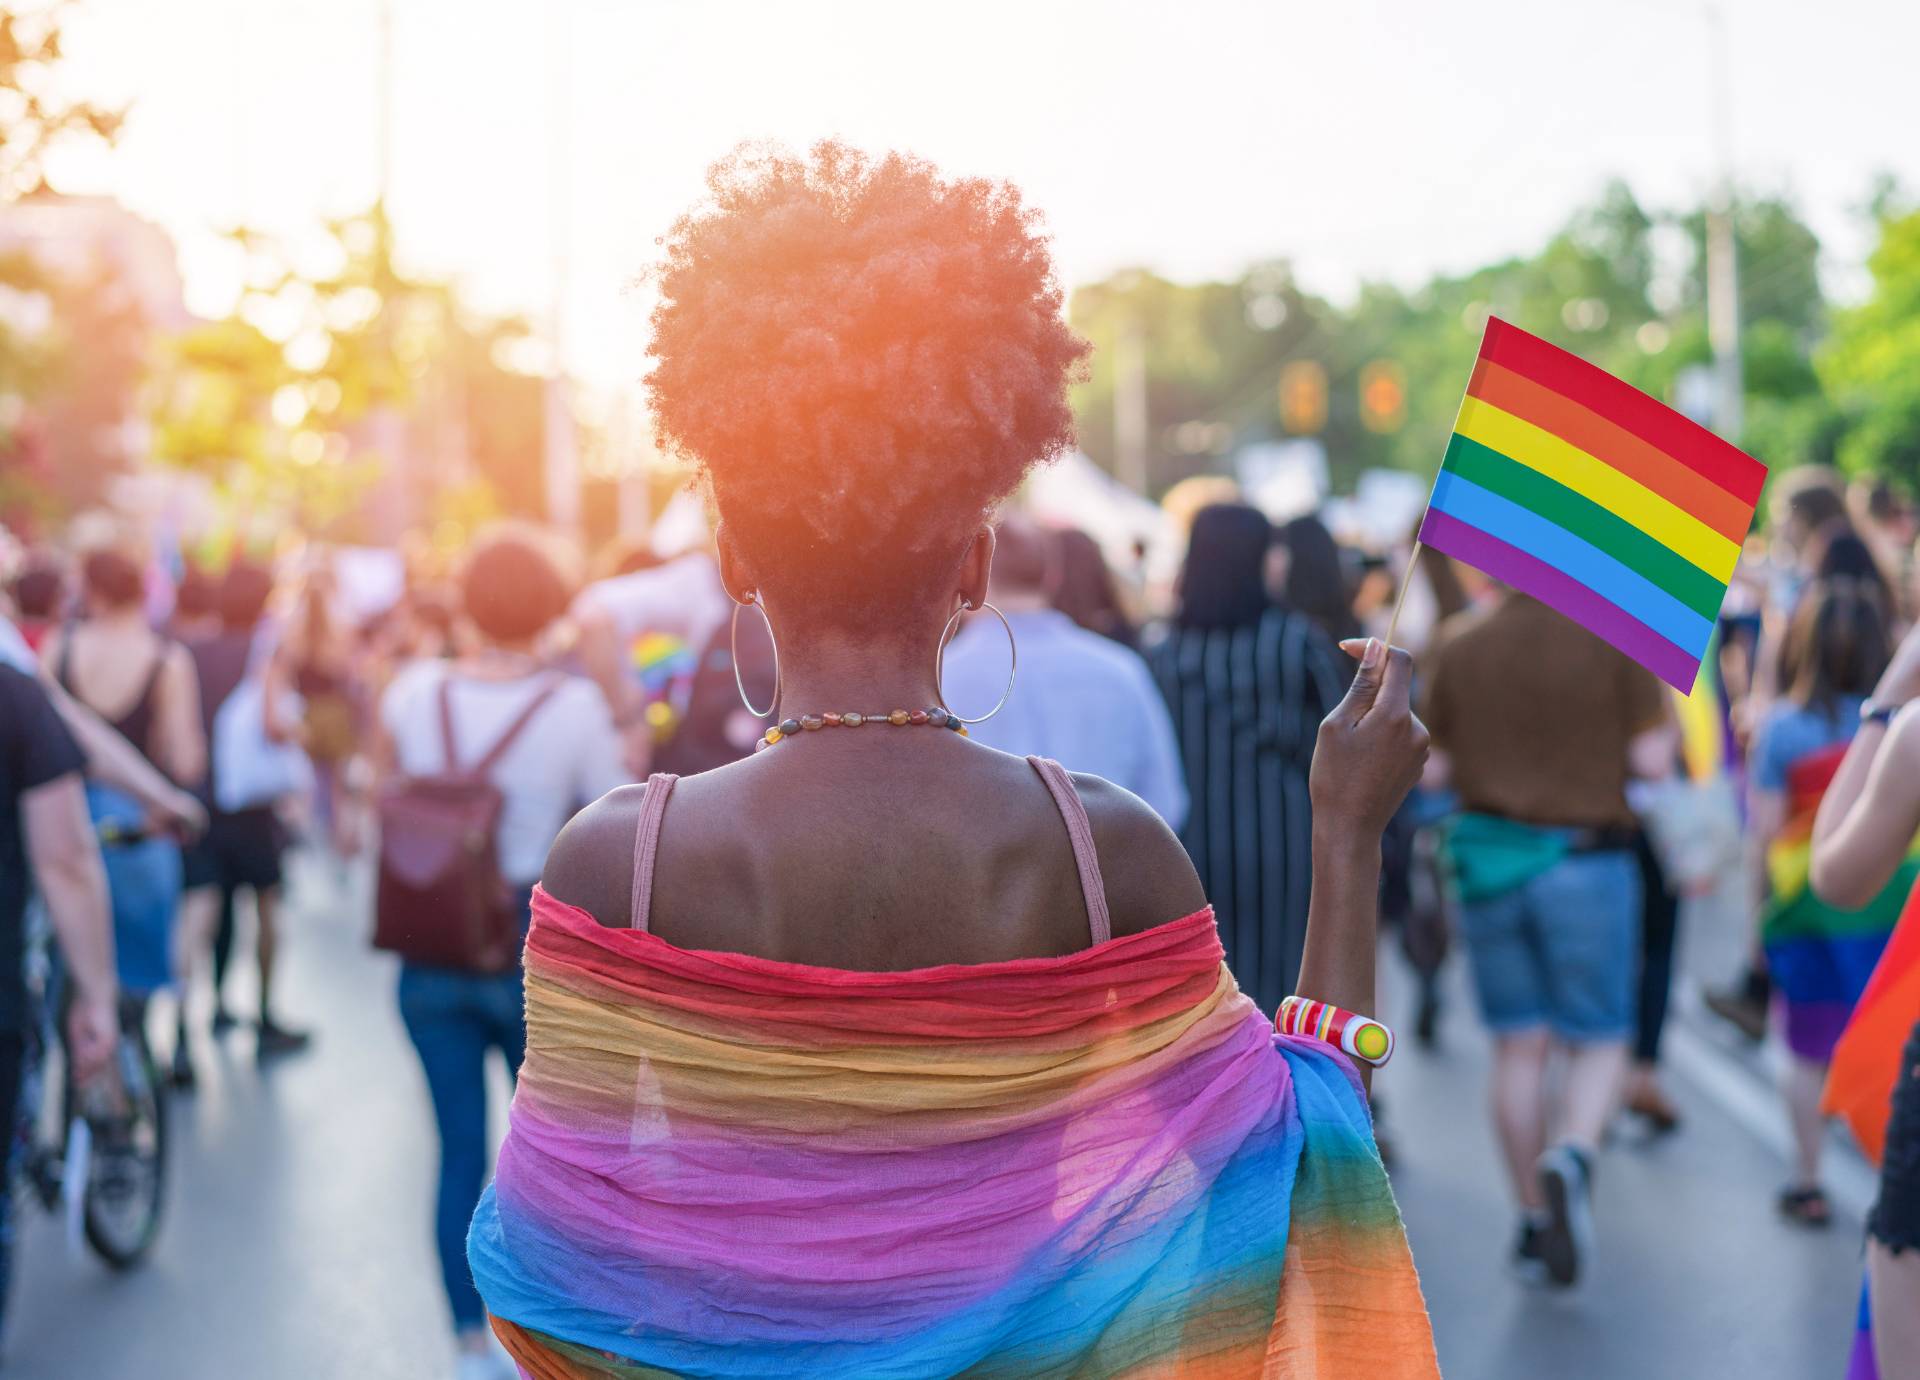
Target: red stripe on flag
pixel 1626 406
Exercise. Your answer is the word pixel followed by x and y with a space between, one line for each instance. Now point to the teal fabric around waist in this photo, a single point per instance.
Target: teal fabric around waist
pixel 1490 856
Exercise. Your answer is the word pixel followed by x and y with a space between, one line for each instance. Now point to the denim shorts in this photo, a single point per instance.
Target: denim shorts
pixel 1560 951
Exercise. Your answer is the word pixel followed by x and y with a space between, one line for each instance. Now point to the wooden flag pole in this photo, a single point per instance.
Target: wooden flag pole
pixel 1400 601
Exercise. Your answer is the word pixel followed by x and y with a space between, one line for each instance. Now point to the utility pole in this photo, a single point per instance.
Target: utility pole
pixel 561 441
pixel 1723 271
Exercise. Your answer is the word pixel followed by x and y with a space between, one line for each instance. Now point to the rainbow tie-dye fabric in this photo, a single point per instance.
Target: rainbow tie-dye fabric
pixel 1101 1165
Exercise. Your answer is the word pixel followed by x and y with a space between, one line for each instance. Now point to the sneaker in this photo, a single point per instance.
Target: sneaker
pixel 275 1038
pixel 1526 1264
pixel 182 1075
pixel 1566 1238
pixel 223 1020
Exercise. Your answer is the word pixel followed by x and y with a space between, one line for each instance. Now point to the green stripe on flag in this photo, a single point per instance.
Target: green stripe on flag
pixel 1587 520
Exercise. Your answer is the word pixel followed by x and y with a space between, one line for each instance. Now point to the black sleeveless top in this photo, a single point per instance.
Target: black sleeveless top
pixel 136 725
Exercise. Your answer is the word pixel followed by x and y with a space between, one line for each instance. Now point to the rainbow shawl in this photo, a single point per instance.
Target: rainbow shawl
pixel 1820 957
pixel 1105 1164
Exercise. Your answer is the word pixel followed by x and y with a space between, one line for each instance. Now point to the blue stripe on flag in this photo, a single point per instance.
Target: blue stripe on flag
pixel 1547 541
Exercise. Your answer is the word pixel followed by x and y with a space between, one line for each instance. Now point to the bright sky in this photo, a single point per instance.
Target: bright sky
pixel 1362 139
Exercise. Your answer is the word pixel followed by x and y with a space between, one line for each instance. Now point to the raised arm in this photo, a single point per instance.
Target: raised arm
pixel 1871 811
pixel 1369 754
pixel 65 860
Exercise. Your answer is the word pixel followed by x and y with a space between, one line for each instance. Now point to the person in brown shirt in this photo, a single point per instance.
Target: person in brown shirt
pixel 1538 725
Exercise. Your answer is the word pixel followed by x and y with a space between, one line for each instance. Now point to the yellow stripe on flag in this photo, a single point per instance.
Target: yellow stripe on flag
pixel 1568 465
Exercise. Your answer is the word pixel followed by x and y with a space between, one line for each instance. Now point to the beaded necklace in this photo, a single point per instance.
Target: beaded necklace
pixel 935 717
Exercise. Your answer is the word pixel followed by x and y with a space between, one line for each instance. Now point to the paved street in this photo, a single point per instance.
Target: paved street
pixel 297 1244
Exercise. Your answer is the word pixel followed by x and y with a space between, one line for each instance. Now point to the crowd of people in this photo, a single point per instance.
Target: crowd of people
pixel 169 730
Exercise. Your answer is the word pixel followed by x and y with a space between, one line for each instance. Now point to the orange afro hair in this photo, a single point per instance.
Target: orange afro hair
pixel 862 358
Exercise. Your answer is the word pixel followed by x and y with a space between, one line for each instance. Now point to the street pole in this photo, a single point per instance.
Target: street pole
pixel 561 441
pixel 1723 272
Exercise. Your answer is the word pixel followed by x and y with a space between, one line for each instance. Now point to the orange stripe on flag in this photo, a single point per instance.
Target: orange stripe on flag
pixel 1634 457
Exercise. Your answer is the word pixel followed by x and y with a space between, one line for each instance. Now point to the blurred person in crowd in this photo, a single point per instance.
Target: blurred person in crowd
pixel 1862 841
pixel 242 849
pixel 47 842
pixel 1247 682
pixel 146 687
pixel 39 599
pixel 1643 1094
pixel 641 633
pixel 1084 588
pixel 1832 551
pixel 1884 518
pixel 1819 958
pixel 196 605
pixel 1078 698
pixel 1538 726
pixel 1310 577
pixel 563 754
pixel 318 647
pixel 768 991
pixel 1190 496
pixel 110 758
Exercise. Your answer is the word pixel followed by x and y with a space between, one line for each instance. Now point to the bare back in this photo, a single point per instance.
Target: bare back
pixel 877 853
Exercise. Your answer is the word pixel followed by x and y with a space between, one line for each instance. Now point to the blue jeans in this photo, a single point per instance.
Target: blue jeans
pixel 1561 950
pixel 453 1019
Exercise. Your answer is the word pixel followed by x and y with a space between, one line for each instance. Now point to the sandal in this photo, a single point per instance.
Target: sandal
pixel 1807 1206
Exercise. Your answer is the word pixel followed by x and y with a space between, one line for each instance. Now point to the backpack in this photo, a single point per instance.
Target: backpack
pixel 441 899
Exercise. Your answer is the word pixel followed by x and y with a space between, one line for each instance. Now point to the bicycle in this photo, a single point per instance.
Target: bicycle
pixel 107 1169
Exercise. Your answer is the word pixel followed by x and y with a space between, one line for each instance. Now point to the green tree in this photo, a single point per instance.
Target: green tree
pixel 1871 362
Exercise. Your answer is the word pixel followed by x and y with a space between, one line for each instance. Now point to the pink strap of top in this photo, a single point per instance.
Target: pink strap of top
pixel 646 845
pixel 1080 834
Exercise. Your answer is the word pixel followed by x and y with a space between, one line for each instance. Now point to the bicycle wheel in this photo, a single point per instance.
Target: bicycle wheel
pixel 126 1175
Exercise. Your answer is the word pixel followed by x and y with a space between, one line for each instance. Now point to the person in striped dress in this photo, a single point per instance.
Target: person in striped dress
pixel 1247 681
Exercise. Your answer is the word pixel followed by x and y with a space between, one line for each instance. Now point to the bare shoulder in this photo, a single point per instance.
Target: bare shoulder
pixel 1149 878
pixel 591 864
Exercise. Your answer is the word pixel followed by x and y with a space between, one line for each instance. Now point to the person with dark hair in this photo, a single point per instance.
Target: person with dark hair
pixel 242 848
pixel 145 686
pixel 927 1052
pixel 1311 578
pixel 1080 699
pixel 1084 588
pixel 1247 681
pixel 550 741
pixel 1818 958
pixel 196 605
pixel 39 600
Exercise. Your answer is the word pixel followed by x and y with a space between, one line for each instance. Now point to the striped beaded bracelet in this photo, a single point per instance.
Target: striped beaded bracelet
pixel 935 717
pixel 1360 1036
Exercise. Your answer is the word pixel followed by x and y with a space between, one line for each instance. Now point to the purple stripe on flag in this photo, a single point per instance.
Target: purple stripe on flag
pixel 1587 607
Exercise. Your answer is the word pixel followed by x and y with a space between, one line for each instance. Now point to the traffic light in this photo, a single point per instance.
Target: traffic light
pixel 1383 396
pixel 1303 398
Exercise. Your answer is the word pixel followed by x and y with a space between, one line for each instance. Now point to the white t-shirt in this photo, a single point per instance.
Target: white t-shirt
pixel 682 599
pixel 567 757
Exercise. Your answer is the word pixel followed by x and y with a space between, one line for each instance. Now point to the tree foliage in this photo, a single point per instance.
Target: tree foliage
pixel 1871 362
pixel 1620 284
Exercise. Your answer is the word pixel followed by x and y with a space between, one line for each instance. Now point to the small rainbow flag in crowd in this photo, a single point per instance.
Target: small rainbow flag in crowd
pixel 1582 491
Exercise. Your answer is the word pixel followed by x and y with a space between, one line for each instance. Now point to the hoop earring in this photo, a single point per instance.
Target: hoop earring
pixel 940 659
pixel 733 644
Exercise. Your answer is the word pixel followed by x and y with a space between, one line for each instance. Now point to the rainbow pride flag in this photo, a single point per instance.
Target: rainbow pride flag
pixel 1566 483
pixel 1866 1062
pixel 1105 1164
pixel 1820 957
